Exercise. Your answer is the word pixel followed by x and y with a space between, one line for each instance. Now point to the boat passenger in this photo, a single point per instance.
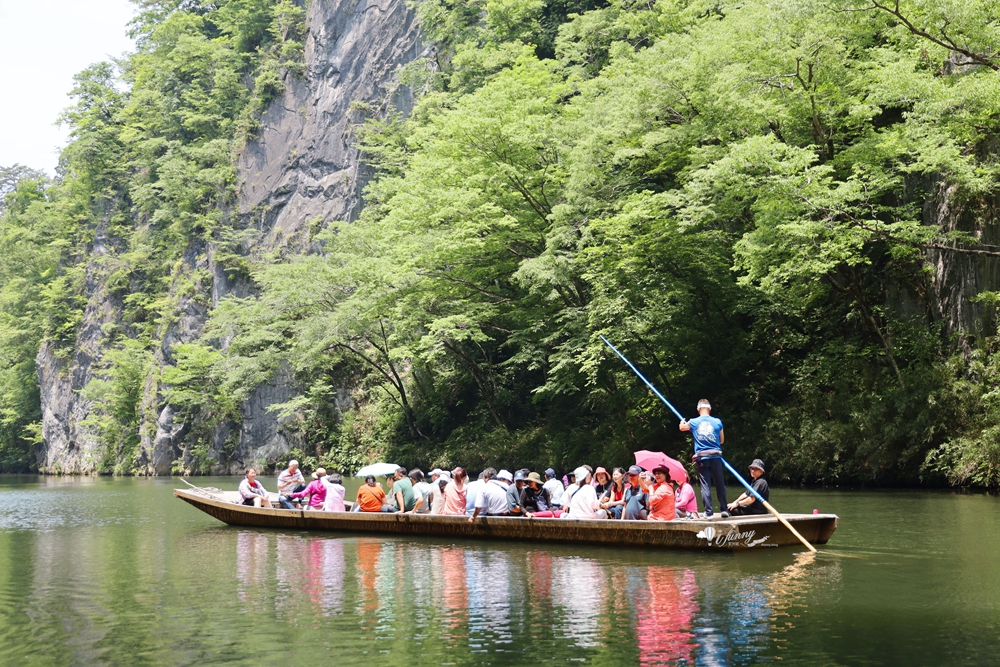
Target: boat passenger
pixel 747 504
pixel 613 500
pixel 316 491
pixel 535 499
pixel 402 491
pixel 421 491
pixel 437 493
pixel 571 488
pixel 290 480
pixel 455 492
pixel 602 481
pixel 636 498
pixel 685 502
pixel 371 496
pixel 252 491
pixel 514 494
pixel 709 437
pixel 584 503
pixel 554 486
pixel 661 496
pixel 492 497
pixel 471 491
pixel 335 492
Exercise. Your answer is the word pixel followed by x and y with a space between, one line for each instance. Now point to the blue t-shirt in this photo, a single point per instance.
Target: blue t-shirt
pixel 706 433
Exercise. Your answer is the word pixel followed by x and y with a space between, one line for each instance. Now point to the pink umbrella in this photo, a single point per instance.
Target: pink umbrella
pixel 649 460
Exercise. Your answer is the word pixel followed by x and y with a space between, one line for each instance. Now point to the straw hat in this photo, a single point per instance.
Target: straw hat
pixel 535 477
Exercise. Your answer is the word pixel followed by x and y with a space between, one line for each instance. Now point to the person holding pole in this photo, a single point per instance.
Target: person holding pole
pixel 725 463
pixel 708 440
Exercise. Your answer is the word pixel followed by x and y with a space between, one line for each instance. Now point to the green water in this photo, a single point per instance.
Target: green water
pixel 117 572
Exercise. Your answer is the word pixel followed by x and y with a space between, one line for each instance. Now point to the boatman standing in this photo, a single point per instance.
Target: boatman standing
pixel 708 440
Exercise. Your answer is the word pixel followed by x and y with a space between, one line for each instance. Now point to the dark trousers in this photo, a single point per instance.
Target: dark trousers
pixel 749 510
pixel 709 472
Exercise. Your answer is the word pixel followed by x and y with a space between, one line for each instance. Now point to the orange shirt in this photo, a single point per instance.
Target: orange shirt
pixel 661 503
pixel 371 498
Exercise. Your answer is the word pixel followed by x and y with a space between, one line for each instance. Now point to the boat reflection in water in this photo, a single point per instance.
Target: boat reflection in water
pixel 491 599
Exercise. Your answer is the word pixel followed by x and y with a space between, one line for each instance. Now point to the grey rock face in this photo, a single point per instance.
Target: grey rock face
pixel 303 166
pixel 301 171
pixel 957 277
pixel 69 445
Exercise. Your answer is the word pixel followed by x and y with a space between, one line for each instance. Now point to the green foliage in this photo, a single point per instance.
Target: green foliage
pixel 117 393
pixel 146 174
pixel 733 193
pixel 741 195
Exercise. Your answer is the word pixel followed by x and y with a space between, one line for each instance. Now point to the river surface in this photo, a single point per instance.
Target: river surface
pixel 99 571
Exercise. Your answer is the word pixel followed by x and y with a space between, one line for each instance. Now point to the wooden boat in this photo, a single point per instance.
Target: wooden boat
pixel 732 534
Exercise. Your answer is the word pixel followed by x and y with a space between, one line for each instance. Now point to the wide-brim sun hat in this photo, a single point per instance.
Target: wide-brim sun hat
pixel 534 477
pixel 664 469
pixel 581 474
pixel 758 464
pixel 505 476
pixel 601 469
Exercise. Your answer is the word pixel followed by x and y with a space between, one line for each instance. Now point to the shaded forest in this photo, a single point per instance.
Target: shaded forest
pixel 789 208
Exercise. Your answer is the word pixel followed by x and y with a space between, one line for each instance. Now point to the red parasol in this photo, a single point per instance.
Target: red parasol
pixel 649 460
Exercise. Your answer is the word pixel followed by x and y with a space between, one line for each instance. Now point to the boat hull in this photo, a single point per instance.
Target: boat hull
pixel 732 534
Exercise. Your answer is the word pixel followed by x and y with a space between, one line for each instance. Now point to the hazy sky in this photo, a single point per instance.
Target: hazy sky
pixel 43 43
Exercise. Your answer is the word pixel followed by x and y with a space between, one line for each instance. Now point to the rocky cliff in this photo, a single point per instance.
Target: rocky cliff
pixel 301 171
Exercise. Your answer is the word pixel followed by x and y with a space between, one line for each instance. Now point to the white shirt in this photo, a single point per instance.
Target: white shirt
pixel 291 480
pixel 334 497
pixel 555 488
pixel 492 498
pixel 584 503
pixel 423 490
pixel 437 497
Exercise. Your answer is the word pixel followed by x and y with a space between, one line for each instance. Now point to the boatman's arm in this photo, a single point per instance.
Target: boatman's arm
pixel 685 426
pixel 722 436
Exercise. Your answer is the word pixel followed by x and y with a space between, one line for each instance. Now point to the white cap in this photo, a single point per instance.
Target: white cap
pixel 580 474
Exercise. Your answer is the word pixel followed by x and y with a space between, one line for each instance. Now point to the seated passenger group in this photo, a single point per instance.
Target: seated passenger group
pixel 583 494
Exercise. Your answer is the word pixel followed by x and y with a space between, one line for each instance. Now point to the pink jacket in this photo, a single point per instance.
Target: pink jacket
pixel 316 492
pixel 686 499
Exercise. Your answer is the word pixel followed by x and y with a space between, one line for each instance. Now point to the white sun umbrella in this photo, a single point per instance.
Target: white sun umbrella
pixel 377 469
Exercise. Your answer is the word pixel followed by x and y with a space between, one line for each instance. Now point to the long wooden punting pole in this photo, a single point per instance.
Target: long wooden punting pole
pixel 735 474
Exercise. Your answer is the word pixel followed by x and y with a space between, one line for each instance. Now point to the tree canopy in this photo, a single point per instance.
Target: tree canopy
pixel 748 198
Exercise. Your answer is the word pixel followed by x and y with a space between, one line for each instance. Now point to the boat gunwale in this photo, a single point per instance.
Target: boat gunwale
pixel 686 534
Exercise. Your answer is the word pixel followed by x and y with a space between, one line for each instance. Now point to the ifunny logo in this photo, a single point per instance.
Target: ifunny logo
pixel 747 538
